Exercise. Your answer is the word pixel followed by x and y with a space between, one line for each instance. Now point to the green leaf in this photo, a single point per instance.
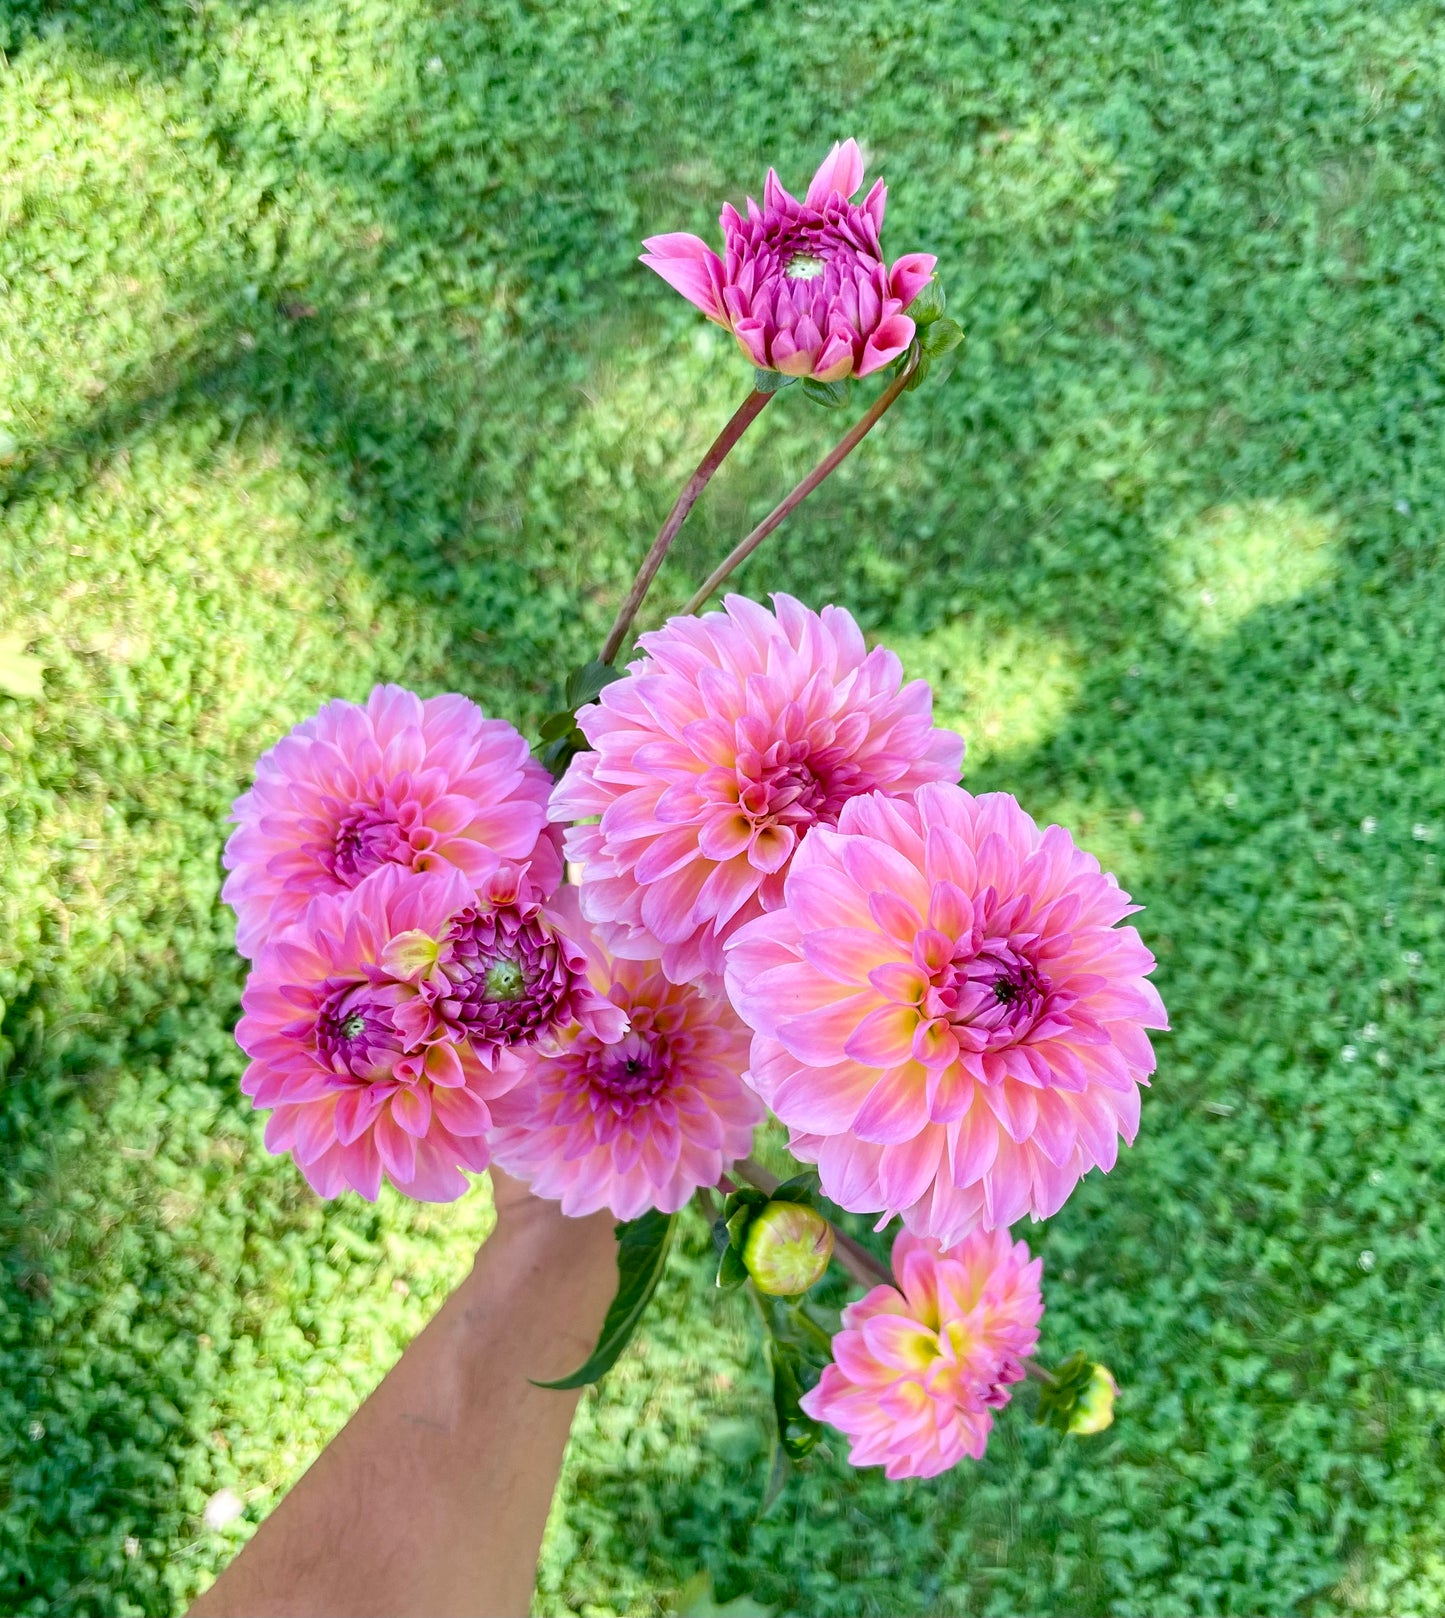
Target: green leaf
pixel 557 755
pixel 557 724
pixel 772 381
pixel 928 305
pixel 920 371
pixel 737 1224
pixel 20 674
pixel 798 1433
pixel 586 684
pixel 831 395
pixel 642 1249
pixel 937 339
pixel 801 1188
pixel 748 1197
pixel 731 1271
pixel 1057 1399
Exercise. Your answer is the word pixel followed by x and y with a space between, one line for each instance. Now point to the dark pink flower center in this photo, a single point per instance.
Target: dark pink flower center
pixel 996 990
pixel 355 1036
pixel 367 838
pixel 506 976
pixel 797 784
pixel 625 1076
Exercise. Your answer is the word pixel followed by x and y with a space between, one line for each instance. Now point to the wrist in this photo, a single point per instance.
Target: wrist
pixel 537 1225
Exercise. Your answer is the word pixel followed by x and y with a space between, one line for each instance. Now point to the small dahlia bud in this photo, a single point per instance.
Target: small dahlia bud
pixel 787 1248
pixel 1095 1408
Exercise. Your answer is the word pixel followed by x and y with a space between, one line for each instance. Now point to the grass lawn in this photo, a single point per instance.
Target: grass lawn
pixel 324 358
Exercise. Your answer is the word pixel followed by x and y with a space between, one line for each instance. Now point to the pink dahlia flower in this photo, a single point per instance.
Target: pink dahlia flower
pixel 509 969
pixel 803 286
pixel 919 1369
pixel 367 1021
pixel 397 781
pixel 639 1122
pixel 733 735
pixel 363 1079
pixel 947 1016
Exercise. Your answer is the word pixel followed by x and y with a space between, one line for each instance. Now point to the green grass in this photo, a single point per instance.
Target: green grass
pixel 325 358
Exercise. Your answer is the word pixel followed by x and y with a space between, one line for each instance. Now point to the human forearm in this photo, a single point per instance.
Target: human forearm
pixel 433 1498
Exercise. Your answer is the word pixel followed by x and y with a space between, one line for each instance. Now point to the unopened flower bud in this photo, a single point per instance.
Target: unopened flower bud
pixel 410 955
pixel 787 1248
pixel 1095 1408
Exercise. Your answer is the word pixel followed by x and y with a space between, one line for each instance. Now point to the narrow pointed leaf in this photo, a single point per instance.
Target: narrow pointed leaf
pixel 642 1249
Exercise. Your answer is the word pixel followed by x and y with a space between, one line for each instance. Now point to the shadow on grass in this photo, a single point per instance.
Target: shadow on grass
pixel 1031 486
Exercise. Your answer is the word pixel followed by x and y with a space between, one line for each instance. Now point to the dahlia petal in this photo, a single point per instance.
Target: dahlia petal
pixel 886 342
pixel 896 1110
pixel 909 275
pixel 906 1168
pixel 900 1342
pixel 853 955
pixel 884 1037
pixel 802 1102
pixel 412 1109
pixel 689 266
pixel 819 1037
pixel 840 173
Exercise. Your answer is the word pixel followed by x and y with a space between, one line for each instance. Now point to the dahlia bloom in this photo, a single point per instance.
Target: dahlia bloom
pixel 397 781
pixel 918 1369
pixel 359 1088
pixel 803 286
pixel 360 1040
pixel 635 1122
pixel 946 1014
pixel 509 969
pixel 735 733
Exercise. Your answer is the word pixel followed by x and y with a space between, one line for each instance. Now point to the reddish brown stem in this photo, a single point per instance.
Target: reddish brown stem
pixel 829 464
pixel 742 418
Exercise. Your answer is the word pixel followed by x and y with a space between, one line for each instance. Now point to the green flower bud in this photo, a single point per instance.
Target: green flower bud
pixel 787 1248
pixel 1094 1410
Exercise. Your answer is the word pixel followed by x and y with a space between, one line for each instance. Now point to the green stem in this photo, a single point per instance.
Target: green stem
pixel 830 462
pixel 742 418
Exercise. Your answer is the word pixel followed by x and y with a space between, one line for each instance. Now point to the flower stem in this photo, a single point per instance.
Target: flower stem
pixel 836 456
pixel 867 1270
pixel 742 418
pixel 1033 1369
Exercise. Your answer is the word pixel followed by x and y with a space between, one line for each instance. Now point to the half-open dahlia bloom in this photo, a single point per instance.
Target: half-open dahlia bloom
pixel 368 1028
pixel 723 745
pixel 508 969
pixel 396 781
pixel 364 1080
pixel 947 1016
pixel 803 286
pixel 638 1122
pixel 919 1369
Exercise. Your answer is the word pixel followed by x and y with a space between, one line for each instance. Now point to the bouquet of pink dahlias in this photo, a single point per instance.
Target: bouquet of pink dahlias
pixel 780 901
